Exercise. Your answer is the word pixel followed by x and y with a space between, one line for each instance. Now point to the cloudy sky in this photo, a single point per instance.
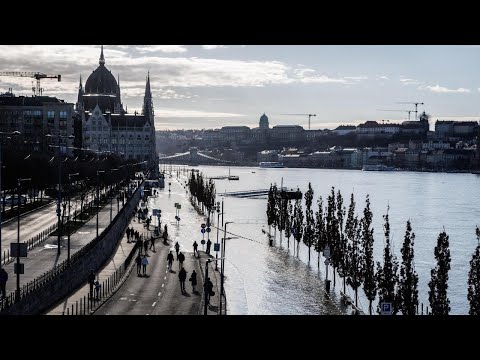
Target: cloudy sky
pixel 209 86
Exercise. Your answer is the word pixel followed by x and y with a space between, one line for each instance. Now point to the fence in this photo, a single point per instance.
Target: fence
pixel 90 302
pixel 41 292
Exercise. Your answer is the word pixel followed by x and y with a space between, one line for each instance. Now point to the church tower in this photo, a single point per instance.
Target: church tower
pixel 79 104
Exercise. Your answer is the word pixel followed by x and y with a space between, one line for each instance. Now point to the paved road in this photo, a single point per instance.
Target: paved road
pixel 44 257
pixel 31 224
pixel 159 293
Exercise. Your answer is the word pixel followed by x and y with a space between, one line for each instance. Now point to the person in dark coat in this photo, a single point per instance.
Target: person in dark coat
pixel 195 248
pixel 165 234
pixel 182 276
pixel 91 281
pixel 152 243
pixel 181 259
pixel 209 244
pixel 170 260
pixel 193 279
pixel 3 282
pixel 138 261
pixel 177 248
pixel 208 287
pixel 145 245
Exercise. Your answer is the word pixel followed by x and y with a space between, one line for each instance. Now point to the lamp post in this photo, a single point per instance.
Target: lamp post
pixel 17 293
pixel 68 219
pixel 98 197
pixel 1 197
pixel 205 287
pixel 111 198
pixel 218 230
pixel 58 136
pixel 223 262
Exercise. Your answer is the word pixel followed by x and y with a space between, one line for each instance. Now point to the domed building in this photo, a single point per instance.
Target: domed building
pixel 106 126
pixel 263 124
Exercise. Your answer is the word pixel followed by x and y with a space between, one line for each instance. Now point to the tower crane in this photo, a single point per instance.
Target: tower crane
pixel 408 111
pixel 309 115
pixel 37 90
pixel 414 103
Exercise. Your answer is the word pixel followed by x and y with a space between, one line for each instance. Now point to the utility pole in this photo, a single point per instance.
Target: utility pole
pixel 205 288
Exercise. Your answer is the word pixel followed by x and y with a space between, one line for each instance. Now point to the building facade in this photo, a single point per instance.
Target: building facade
pixel 35 117
pixel 107 127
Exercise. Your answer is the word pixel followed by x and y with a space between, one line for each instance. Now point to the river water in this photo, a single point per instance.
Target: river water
pixel 269 280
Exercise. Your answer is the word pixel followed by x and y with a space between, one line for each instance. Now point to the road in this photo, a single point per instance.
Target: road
pixel 159 293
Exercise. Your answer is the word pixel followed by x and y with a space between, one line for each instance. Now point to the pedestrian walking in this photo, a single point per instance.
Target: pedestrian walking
pixel 208 287
pixel 209 244
pixel 193 279
pixel 3 282
pixel 195 248
pixel 138 261
pixel 177 248
pixel 152 243
pixel 91 281
pixel 164 237
pixel 181 259
pixel 97 290
pixel 145 246
pixel 182 276
pixel 144 265
pixel 170 260
pixel 140 245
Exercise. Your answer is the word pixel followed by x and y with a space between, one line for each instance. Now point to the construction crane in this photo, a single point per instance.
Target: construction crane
pixel 37 90
pixel 408 111
pixel 309 115
pixel 414 103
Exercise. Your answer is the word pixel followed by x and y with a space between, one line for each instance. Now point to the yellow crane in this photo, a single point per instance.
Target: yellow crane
pixel 37 90
pixel 309 115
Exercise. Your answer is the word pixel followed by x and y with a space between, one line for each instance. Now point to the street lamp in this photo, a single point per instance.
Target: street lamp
pixel 17 293
pixel 111 198
pixel 205 287
pixel 218 230
pixel 1 197
pixel 223 262
pixel 68 219
pixel 98 196
pixel 59 186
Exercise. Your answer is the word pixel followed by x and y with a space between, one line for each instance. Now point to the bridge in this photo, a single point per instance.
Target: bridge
pixel 289 194
pixel 193 157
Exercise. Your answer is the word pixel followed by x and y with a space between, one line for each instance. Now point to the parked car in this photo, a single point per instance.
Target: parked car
pixel 8 200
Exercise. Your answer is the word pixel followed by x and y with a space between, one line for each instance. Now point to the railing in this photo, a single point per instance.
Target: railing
pixel 50 275
pixel 88 304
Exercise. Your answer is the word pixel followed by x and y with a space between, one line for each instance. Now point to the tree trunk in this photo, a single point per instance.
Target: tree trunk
pixel 344 286
pixel 318 259
pixel 356 297
pixel 309 248
pixel 334 275
pixel 288 242
pixel 370 307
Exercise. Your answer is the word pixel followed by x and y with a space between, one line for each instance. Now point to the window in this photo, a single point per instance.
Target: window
pixel 51 117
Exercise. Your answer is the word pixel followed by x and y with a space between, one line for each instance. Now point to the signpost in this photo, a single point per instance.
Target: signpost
pixel 386 308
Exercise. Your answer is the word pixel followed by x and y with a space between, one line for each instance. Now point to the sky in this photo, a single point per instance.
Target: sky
pixel 210 86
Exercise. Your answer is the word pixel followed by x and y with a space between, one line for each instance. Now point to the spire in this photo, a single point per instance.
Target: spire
pixel 147 86
pixel 102 59
pixel 80 87
pixel 147 100
pixel 118 80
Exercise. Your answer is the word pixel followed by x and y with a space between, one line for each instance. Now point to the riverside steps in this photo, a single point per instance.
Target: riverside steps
pixel 47 276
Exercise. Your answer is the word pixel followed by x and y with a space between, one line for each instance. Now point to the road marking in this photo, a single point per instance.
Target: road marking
pixel 160 293
pixel 163 285
pixel 166 271
pixel 165 278
pixel 154 304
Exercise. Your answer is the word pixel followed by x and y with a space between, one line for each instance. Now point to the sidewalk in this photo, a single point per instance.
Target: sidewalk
pixel 114 266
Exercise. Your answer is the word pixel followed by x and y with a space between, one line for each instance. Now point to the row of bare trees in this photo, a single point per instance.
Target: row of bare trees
pixel 347 240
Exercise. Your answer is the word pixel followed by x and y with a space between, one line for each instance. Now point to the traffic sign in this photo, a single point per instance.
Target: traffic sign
pixel 202 242
pixel 208 230
pixel 18 269
pixel 178 218
pixel 176 204
pixel 216 247
pixel 18 250
pixel 386 308
pixel 326 252
pixel 179 206
pixel 203 231
pixel 327 262
pixel 203 226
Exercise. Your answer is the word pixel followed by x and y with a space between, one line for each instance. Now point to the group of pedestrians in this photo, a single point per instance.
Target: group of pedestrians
pixel 142 263
pixel 132 235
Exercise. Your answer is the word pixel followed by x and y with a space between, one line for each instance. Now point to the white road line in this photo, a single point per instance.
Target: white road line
pixel 160 293
pixel 165 278
pixel 163 285
pixel 154 304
